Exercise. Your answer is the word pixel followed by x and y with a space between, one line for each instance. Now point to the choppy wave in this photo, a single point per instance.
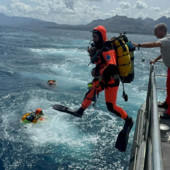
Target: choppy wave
pixel 29 59
pixel 62 136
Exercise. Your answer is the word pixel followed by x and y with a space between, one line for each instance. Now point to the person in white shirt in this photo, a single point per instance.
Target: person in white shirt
pixel 161 33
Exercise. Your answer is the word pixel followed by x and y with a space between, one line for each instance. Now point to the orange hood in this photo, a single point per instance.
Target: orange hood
pixel 103 32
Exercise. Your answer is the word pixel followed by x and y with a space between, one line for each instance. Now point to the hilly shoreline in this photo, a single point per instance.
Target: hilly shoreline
pixel 115 24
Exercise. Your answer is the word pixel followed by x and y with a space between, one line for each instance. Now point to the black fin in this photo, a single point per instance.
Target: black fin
pixel 66 110
pixel 122 141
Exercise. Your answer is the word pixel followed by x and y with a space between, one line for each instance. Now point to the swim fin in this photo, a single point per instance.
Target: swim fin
pixel 77 113
pixel 122 139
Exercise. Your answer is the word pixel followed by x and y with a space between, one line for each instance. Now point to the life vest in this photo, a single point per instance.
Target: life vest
pixel 23 119
pixel 24 116
pixel 125 57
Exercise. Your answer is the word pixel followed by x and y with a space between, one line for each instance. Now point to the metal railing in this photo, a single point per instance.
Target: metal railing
pixel 154 130
pixel 146 151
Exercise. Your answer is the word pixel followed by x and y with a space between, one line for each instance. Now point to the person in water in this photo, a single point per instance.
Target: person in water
pixel 105 76
pixel 163 43
pixel 33 116
pixel 51 82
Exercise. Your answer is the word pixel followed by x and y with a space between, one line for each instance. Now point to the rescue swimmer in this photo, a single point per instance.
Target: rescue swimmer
pixel 51 83
pixel 33 117
pixel 105 76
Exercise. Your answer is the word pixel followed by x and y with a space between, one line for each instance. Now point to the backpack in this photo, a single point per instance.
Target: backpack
pixel 125 57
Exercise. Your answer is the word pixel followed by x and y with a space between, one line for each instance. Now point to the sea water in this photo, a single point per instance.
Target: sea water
pixel 28 59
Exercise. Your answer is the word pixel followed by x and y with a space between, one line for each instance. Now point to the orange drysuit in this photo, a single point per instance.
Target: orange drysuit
pixel 105 69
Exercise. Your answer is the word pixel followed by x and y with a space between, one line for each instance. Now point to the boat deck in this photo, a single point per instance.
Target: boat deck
pixel 151 142
pixel 165 145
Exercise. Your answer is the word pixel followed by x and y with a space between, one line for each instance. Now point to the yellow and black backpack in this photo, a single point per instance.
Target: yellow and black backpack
pixel 125 59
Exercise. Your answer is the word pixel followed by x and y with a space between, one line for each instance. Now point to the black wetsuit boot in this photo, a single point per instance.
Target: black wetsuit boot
pixel 79 112
pixel 128 125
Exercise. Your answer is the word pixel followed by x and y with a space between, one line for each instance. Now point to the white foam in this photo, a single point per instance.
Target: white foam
pixel 68 52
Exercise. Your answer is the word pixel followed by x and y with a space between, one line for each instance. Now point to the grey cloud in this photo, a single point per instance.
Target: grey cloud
pixel 167 13
pixel 156 9
pixel 140 5
pixel 69 4
pixel 124 5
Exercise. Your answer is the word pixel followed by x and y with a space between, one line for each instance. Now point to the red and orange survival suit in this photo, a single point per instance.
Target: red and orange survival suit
pixel 104 73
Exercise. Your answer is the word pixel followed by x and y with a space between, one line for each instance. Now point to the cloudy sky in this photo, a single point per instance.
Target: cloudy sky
pixel 84 11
